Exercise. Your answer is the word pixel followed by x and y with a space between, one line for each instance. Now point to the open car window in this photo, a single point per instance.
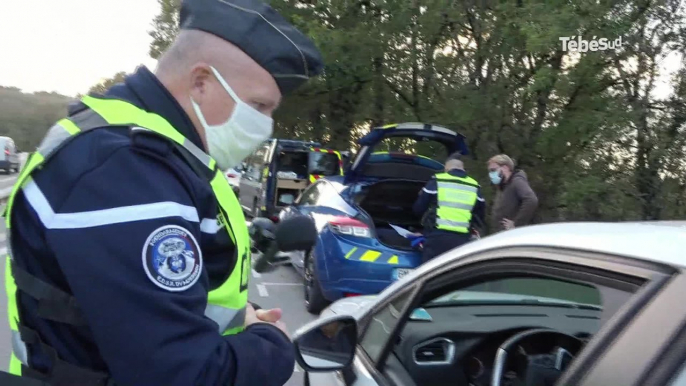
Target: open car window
pixel 451 331
pixel 382 325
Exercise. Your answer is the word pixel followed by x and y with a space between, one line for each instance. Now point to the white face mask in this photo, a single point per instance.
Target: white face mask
pixel 232 141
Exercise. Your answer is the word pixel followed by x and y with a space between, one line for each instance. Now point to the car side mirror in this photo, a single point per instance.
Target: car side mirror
pixel 297 233
pixel 261 232
pixel 327 344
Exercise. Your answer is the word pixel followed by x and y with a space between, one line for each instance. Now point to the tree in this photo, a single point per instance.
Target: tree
pixel 27 117
pixel 586 126
pixel 107 83
pixel 165 27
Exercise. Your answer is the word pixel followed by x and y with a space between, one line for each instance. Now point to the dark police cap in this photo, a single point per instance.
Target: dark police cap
pixel 263 34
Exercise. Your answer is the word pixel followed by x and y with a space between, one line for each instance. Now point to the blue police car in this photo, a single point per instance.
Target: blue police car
pixel 363 217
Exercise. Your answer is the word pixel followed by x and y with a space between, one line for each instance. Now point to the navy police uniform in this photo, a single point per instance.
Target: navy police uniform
pixel 115 219
pixel 439 241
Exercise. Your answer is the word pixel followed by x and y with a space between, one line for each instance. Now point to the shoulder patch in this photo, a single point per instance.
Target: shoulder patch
pixel 172 258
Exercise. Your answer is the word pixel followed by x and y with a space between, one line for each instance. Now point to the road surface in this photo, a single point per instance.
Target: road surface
pixel 280 288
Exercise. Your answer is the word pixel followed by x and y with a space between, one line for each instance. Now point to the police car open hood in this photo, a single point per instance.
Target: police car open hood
pixel 453 142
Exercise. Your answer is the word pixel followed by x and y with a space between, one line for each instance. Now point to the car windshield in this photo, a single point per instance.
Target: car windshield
pixel 524 290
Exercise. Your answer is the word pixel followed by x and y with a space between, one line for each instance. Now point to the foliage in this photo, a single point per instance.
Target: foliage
pixel 594 138
pixel 27 117
pixel 107 83
pixel 165 26
pixel 586 126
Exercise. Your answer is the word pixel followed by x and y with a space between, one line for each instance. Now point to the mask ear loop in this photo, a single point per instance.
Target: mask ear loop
pixel 198 113
pixel 239 101
pixel 226 86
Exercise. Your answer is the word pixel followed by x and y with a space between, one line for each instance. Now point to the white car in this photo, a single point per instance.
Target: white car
pixel 583 304
pixel 233 175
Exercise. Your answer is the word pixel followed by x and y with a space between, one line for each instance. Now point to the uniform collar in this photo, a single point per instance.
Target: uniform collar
pixel 143 89
pixel 457 173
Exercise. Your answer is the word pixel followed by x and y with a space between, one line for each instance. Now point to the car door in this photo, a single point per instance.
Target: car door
pixel 247 184
pixel 652 349
pixel 14 159
pixel 625 287
pixel 252 180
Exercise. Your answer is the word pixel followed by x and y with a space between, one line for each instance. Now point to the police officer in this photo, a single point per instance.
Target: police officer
pixel 450 204
pixel 129 252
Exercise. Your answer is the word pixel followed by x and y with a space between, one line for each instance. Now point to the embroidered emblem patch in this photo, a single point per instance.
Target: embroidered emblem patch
pixel 172 258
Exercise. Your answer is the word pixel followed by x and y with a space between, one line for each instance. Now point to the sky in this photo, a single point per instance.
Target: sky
pixel 68 46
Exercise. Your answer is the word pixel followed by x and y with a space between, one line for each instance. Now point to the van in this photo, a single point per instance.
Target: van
pixel 279 170
pixel 9 159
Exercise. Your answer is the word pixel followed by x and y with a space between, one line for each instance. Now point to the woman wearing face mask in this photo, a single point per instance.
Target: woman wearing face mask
pixel 92 300
pixel 515 202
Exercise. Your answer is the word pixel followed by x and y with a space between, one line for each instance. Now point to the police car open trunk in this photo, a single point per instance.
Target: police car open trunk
pixel 387 183
pixel 390 202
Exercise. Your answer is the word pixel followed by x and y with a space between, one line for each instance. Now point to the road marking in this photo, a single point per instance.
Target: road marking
pixel 255 274
pixel 297 368
pixel 262 290
pixel 281 284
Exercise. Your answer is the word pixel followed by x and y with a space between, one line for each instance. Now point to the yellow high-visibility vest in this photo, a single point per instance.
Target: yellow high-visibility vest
pixel 226 304
pixel 456 199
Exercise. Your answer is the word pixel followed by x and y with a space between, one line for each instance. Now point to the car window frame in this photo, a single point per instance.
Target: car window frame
pixel 671 365
pixel 586 262
pixel 326 192
pixel 309 190
pixel 657 361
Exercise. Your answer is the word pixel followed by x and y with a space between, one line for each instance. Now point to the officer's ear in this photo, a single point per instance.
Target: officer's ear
pixel 200 82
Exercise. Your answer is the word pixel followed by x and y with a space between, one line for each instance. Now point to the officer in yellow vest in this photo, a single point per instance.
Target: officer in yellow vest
pixel 129 254
pixel 451 205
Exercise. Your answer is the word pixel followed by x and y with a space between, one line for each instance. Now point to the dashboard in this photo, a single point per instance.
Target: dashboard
pixel 458 345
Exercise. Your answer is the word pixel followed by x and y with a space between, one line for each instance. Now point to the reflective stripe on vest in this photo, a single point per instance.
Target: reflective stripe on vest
pixel 226 304
pixel 456 199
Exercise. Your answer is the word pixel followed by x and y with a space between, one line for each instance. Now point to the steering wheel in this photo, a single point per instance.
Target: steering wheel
pixel 540 367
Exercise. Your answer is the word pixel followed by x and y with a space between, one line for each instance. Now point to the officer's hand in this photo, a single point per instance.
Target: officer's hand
pixel 264 316
pixel 270 316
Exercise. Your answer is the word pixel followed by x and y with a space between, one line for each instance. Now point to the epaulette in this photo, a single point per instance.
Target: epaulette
pixel 146 140
pixel 76 107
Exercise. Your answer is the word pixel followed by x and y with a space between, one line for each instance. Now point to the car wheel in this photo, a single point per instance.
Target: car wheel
pixel 314 298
